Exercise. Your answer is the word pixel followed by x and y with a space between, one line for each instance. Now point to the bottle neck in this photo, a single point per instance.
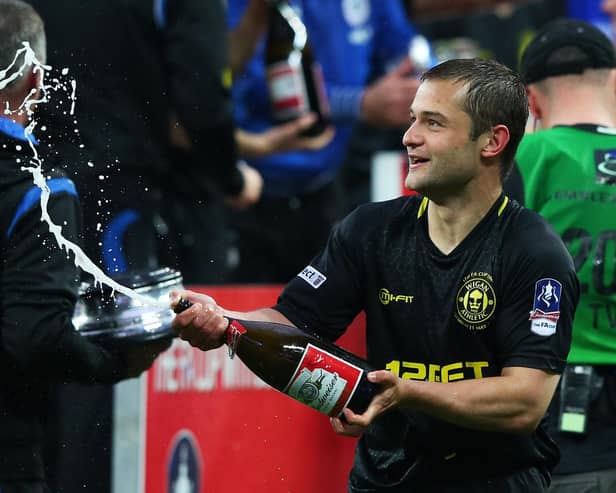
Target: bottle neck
pixel 282 9
pixel 234 332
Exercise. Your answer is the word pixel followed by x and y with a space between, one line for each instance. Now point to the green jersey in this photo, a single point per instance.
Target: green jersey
pixel 568 176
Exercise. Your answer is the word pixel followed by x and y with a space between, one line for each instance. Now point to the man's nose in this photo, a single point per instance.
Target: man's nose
pixel 411 137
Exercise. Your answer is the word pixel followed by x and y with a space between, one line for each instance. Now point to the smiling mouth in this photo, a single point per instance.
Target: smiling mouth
pixel 415 162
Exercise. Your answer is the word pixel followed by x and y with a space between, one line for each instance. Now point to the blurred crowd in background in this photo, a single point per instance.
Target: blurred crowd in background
pixel 162 183
pixel 149 140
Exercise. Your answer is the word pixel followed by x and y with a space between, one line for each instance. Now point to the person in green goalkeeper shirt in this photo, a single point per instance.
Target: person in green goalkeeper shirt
pixel 566 171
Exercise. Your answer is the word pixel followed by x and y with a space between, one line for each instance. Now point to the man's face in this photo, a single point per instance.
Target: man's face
pixel 609 7
pixel 442 158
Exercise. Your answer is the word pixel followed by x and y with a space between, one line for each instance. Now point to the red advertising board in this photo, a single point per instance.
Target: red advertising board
pixel 213 427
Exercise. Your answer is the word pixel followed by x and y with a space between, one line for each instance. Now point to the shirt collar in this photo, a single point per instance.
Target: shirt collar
pixel 15 130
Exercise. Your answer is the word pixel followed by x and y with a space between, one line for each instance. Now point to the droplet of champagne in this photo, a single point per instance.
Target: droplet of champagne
pixel 81 260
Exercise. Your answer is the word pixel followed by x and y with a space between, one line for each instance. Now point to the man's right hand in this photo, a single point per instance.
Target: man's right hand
pixel 202 325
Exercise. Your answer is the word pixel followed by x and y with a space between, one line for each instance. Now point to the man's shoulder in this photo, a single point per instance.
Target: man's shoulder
pixel 13 180
pixel 406 205
pixel 563 137
pixel 527 221
pixel 529 233
pixel 372 219
pixel 19 194
pixel 544 138
pixel 541 153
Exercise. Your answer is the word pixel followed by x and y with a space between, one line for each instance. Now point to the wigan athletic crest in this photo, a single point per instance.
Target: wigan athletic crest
pixel 475 301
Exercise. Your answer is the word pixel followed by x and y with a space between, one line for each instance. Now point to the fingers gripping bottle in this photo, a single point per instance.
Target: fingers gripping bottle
pixel 294 77
pixel 312 371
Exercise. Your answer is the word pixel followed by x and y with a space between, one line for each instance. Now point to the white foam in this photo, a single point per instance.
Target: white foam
pixel 81 260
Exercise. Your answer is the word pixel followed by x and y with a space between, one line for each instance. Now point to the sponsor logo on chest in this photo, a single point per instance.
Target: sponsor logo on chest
pixel 386 297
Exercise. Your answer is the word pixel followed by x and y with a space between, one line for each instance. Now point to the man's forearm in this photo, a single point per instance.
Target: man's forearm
pixel 262 314
pixel 244 37
pixel 509 403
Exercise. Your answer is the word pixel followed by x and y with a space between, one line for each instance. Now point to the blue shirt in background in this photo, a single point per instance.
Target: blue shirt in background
pixel 349 38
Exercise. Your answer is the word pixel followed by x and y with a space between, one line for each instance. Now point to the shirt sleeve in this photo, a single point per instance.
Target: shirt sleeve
pixel 540 294
pixel 326 295
pixel 38 295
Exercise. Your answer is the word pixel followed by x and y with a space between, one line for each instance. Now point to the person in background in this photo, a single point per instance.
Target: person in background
pixel 38 281
pixel 298 207
pixel 285 137
pixel 609 7
pixel 144 72
pixel 467 373
pixel 566 171
pixel 163 70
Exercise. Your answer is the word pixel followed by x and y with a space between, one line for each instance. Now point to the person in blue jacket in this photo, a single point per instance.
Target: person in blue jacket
pixel 348 38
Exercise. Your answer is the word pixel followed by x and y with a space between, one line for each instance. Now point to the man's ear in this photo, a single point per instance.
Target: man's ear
pixel 35 79
pixel 495 141
pixel 612 80
pixel 534 104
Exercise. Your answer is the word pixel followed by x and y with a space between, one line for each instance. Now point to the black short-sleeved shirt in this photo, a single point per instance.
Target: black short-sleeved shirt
pixel 505 296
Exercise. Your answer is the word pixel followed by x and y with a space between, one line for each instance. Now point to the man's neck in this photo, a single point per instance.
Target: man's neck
pixel 19 117
pixel 21 121
pixel 451 220
pixel 597 107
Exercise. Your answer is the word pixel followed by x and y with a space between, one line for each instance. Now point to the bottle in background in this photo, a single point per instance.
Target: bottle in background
pixel 295 79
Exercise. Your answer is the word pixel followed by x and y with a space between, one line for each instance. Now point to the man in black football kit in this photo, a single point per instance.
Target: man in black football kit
pixel 469 300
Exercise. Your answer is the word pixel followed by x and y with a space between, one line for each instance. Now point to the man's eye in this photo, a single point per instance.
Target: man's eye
pixel 433 123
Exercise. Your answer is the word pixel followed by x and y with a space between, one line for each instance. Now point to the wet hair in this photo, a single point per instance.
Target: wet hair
pixel 495 95
pixel 19 22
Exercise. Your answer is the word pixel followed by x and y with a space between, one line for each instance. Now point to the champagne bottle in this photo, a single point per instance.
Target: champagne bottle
pixel 309 369
pixel 295 79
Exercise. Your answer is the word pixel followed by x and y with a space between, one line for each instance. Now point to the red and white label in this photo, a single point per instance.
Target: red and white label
pixel 234 332
pixel 287 90
pixel 323 381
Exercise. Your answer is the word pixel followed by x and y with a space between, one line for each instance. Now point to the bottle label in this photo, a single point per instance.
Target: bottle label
pixel 287 90
pixel 234 332
pixel 323 381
